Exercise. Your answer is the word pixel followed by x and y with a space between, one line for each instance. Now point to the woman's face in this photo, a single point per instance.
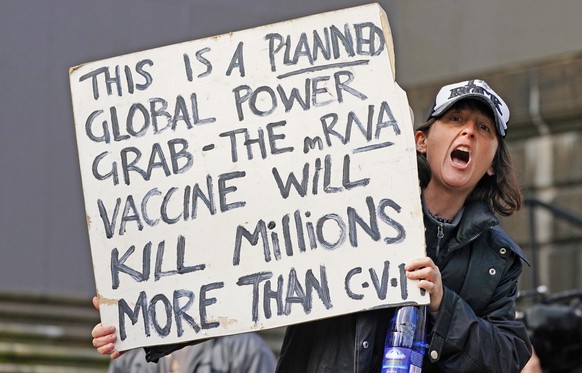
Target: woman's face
pixel 459 147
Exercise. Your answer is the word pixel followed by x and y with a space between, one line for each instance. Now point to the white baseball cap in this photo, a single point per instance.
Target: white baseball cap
pixel 472 89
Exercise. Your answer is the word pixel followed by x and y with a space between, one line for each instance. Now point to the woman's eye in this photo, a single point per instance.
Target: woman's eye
pixel 456 118
pixel 484 127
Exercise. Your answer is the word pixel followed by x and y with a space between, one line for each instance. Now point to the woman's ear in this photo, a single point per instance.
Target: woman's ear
pixel 420 139
pixel 490 171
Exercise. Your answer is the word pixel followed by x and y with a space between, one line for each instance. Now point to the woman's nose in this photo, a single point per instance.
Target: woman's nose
pixel 469 128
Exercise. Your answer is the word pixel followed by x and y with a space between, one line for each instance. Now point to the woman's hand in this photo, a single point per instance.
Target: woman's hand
pixel 429 276
pixel 104 337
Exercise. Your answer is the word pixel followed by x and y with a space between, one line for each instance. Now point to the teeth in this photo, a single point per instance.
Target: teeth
pixel 461 153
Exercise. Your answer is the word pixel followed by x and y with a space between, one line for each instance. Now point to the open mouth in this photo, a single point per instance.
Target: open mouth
pixel 460 155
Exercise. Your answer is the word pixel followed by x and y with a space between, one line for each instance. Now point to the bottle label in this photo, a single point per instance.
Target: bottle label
pixel 401 360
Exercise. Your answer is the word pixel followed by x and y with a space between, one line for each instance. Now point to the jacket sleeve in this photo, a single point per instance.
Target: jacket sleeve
pixel 491 341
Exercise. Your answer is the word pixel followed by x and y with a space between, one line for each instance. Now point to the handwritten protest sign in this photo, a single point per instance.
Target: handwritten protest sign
pixel 250 180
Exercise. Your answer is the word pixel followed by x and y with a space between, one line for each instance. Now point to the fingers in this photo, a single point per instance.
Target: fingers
pixel 96 303
pixel 429 278
pixel 423 269
pixel 100 331
pixel 108 349
pixel 105 345
pixel 419 263
pixel 424 273
pixel 103 339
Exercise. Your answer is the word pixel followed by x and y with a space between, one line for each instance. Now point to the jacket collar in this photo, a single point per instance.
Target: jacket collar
pixel 478 218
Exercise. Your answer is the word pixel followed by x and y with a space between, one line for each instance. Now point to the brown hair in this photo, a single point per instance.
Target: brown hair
pixel 501 190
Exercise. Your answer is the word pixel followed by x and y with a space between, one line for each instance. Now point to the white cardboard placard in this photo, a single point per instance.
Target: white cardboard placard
pixel 250 180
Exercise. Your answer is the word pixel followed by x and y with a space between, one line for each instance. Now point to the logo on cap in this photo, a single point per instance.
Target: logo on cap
pixel 471 87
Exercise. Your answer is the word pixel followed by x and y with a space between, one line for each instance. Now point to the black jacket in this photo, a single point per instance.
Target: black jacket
pixel 475 330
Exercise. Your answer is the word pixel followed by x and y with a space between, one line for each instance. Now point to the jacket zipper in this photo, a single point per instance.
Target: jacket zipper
pixel 440 235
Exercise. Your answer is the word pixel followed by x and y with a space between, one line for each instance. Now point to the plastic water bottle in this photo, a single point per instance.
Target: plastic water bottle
pixel 405 344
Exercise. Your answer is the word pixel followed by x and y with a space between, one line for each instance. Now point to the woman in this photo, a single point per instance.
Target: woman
pixel 472 265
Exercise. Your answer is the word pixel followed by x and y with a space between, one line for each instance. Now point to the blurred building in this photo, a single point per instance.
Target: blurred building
pixel 529 51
